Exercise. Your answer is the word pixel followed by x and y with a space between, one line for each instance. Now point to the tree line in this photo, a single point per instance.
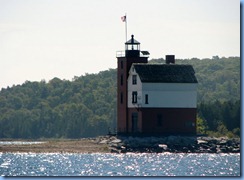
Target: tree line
pixel 86 106
pixel 83 107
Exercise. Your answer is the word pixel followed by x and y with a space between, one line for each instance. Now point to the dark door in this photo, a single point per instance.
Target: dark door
pixel 134 122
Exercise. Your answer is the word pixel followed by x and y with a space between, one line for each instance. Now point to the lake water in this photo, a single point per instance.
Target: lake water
pixel 129 164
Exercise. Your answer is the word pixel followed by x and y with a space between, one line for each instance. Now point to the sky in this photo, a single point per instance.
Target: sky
pixel 43 39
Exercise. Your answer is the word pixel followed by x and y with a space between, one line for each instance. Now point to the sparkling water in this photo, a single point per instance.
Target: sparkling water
pixel 129 164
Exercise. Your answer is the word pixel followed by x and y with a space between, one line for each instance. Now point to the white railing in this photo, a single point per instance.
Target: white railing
pixel 120 54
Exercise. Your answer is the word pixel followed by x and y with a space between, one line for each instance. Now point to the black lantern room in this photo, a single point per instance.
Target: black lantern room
pixel 132 48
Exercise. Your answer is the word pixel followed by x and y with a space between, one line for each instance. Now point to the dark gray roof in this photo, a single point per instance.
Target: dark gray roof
pixel 132 41
pixel 168 73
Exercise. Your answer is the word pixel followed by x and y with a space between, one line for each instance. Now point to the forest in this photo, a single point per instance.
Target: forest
pixel 86 106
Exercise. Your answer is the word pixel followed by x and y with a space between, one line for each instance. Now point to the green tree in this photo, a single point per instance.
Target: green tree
pixel 201 126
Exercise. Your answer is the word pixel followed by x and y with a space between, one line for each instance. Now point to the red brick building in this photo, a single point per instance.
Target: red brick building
pixel 154 98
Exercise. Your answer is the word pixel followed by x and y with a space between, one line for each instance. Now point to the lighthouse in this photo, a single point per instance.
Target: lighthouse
pixel 125 59
pixel 154 99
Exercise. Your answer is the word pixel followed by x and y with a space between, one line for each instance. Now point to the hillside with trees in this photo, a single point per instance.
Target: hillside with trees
pixel 86 106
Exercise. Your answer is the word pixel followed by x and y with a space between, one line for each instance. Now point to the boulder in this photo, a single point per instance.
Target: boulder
pixel 199 141
pixel 236 150
pixel 205 146
pixel 163 146
pixel 115 141
pixel 223 149
pixel 223 142
pixel 113 150
pixel 105 141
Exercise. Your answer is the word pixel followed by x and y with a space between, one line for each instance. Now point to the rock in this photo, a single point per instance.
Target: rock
pixel 236 150
pixel 163 146
pixel 223 150
pixel 203 150
pixel 213 148
pixel 223 142
pixel 192 148
pixel 105 141
pixel 123 147
pixel 213 141
pixel 229 148
pixel 201 142
pixel 112 150
pixel 205 146
pixel 116 141
pixel 114 145
pixel 123 150
pixel 184 149
pixel 218 150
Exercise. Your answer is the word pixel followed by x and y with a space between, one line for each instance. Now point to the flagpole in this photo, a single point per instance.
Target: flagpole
pixel 125 27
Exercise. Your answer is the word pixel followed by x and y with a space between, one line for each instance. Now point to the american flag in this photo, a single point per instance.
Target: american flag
pixel 123 18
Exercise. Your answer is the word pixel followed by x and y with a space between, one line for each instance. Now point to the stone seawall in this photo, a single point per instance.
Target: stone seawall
pixel 174 144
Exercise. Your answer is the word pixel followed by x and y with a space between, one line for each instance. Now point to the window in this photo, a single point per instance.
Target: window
pixel 121 98
pixel 121 80
pixel 121 64
pixel 159 120
pixel 146 98
pixel 134 79
pixel 134 97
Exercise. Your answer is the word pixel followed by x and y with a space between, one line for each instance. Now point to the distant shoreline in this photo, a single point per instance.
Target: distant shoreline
pixel 113 144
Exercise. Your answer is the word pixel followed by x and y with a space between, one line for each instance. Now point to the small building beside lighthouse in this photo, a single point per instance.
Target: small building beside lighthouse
pixel 154 99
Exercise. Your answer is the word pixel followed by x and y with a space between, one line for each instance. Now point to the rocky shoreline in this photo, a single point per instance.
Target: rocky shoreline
pixel 172 144
pixel 125 144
